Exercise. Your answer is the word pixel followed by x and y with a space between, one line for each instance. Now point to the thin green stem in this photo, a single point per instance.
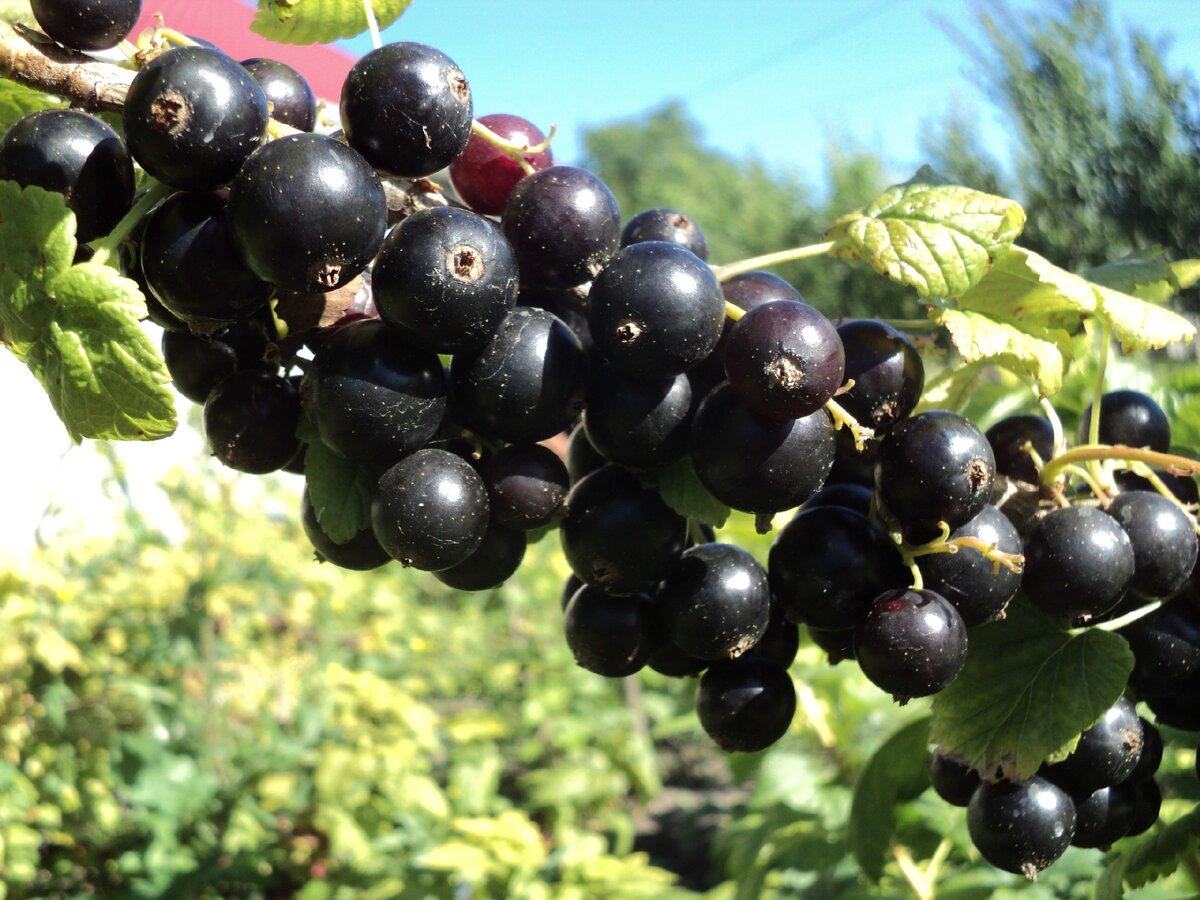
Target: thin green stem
pixel 1096 488
pixel 1098 470
pixel 727 271
pixel 911 324
pixel 1159 485
pixel 107 246
pixel 516 152
pixel 917 880
pixel 1121 621
pixel 1180 465
pixel 1056 428
pixel 372 24
pixel 843 419
pixel 733 312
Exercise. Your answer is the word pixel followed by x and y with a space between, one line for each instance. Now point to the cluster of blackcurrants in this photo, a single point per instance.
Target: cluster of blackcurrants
pixel 487 327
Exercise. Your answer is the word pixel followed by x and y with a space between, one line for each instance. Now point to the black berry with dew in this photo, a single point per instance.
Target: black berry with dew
pixel 447 276
pixel 784 359
pixel 934 467
pixel 373 396
pixel 430 510
pixel 1166 648
pixel 564 224
pixel 493 562
pixel 828 563
pixel 1009 438
pixel 664 224
pixel 191 263
pixel 1130 418
pixel 619 535
pixel 315 229
pixel 1104 817
pixel 290 97
pixel 407 109
pixel 484 176
pixel 610 635
pixel 76 155
pixel 250 422
pixel 1107 752
pixel 755 464
pixel 977 586
pixel 887 372
pixel 1021 826
pixel 910 643
pixel 655 310
pixel 525 384
pixel 953 780
pixel 637 422
pixel 527 485
pixel 360 553
pixel 745 291
pixel 715 601
pixel 746 704
pixel 1078 563
pixel 1164 542
pixel 86 24
pixel 193 116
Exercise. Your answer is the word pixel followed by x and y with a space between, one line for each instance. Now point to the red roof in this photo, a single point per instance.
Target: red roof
pixel 227 24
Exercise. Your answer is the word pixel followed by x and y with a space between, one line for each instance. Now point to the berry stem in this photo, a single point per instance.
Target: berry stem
pixel 1179 465
pixel 843 419
pixel 372 24
pixel 1121 621
pixel 733 312
pixel 1097 489
pixel 727 271
pixel 517 152
pixel 1099 471
pixel 106 247
pixel 922 886
pixel 1159 485
pixel 1056 428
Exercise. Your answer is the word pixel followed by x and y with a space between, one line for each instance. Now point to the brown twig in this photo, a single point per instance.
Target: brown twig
pixel 87 83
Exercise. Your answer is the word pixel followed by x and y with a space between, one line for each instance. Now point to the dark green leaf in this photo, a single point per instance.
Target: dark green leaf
pixel 320 21
pixel 17 101
pixel 340 492
pixel 1149 857
pixel 1146 276
pixel 896 773
pixel 1028 689
pixel 939 238
pixel 683 491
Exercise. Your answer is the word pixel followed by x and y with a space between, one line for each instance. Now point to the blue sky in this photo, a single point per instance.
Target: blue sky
pixel 776 78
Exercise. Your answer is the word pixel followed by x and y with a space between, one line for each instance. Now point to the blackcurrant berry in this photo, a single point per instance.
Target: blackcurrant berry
pixel 292 100
pixel 828 563
pixel 978 588
pixel 361 553
pixel 1164 542
pixel 715 601
pixel 1147 802
pixel 250 421
pixel 373 396
pixel 953 780
pixel 910 643
pixel 492 563
pixel 784 359
pixel 1130 418
pixel 430 510
pixel 1104 817
pixel 609 635
pixel 76 155
pixel 527 485
pixel 407 108
pixel 665 225
pixel 1166 648
pixel 193 116
pixel 781 641
pixel 1106 754
pixel 934 467
pixel 640 423
pixel 745 704
pixel 850 496
pixel 674 662
pixel 655 310
pixel 1078 563
pixel 838 645
pixel 197 364
pixel 1021 826
pixel 447 276
pixel 484 176
pixel 619 535
pixel 1151 756
pixel 1008 438
pixel 87 24
pixel 887 372
pixel 582 457
pixel 315 229
pixel 564 224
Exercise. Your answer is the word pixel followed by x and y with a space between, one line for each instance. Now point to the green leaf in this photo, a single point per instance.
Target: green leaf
pixel 980 339
pixel 1145 276
pixel 104 376
pixel 953 386
pixel 1139 325
pixel 896 773
pixel 320 21
pixel 340 492
pixel 683 491
pixel 37 243
pixel 1150 857
pixel 939 238
pixel 17 101
pixel 1028 689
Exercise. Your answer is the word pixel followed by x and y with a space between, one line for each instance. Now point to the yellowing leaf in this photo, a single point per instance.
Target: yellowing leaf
pixel 55 652
pixel 981 339
pixel 320 21
pixel 1139 325
pixel 939 238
